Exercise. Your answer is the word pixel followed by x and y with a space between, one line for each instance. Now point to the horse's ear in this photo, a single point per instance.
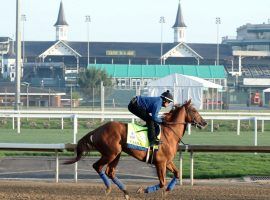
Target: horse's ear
pixel 188 102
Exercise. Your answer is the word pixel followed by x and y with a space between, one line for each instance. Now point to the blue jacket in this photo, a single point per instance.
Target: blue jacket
pixel 151 105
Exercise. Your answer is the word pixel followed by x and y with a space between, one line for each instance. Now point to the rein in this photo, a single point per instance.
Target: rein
pixel 184 123
pixel 179 138
pixel 174 123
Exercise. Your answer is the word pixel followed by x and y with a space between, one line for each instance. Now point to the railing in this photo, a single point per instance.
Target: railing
pixel 186 148
pixel 75 115
pixel 214 148
pixel 37 147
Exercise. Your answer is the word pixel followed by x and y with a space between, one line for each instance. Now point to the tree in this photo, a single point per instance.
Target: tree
pixel 92 78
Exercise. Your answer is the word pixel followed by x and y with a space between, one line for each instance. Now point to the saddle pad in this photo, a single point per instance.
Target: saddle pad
pixel 137 137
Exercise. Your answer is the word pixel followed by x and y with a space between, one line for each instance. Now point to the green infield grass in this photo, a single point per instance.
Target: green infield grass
pixel 206 165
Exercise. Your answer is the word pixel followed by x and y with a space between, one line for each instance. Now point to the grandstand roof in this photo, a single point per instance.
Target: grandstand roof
pixel 139 49
pixel 157 71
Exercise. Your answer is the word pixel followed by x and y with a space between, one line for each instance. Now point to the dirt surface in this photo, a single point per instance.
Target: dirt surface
pixel 34 190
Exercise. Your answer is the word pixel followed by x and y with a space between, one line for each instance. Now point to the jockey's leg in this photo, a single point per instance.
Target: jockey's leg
pixel 151 132
pixel 138 111
pixel 171 166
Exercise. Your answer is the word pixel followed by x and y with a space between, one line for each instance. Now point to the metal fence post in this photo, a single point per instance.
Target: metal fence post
pixel 56 167
pixel 62 123
pixel 13 123
pixel 102 99
pixel 189 129
pixel 18 124
pixel 75 131
pixel 255 131
pixel 75 128
pixel 191 168
pixel 262 126
pixel 238 127
pixel 180 167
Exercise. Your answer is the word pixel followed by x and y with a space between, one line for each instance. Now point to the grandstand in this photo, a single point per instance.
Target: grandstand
pixel 259 71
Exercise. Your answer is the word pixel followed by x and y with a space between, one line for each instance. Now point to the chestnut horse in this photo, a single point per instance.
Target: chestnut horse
pixel 110 140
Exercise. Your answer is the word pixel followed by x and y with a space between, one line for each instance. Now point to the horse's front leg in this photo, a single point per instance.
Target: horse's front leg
pixel 161 172
pixel 171 166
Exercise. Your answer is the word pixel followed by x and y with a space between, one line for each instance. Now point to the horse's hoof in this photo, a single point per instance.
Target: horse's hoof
pixel 127 197
pixel 126 194
pixel 164 193
pixel 140 190
pixel 108 191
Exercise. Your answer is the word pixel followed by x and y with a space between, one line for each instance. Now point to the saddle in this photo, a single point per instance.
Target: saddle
pixel 137 137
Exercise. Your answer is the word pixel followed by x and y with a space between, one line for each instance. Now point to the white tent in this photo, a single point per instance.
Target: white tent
pixel 183 87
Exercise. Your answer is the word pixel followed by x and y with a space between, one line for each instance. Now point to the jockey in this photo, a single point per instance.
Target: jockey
pixel 147 108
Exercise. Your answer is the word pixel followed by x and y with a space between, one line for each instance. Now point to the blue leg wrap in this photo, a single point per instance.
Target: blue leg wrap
pixel 105 179
pixel 152 188
pixel 120 185
pixel 172 184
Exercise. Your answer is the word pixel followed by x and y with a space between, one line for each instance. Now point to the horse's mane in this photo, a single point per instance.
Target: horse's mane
pixel 172 114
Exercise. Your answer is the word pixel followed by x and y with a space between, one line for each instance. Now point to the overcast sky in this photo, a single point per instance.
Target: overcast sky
pixel 133 20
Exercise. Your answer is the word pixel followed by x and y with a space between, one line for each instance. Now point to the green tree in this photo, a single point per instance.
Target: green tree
pixel 92 78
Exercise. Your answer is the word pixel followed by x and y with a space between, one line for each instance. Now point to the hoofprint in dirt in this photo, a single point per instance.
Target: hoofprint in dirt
pixel 28 190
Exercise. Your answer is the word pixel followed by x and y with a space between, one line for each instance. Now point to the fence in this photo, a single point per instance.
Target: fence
pixel 119 96
pixel 127 116
pixel 206 148
pixel 37 147
pixel 187 148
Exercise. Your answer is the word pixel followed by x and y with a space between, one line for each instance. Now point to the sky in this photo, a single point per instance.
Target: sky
pixel 133 20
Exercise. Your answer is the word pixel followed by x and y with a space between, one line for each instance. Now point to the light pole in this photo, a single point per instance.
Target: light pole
pixel 161 21
pixel 18 56
pixel 23 19
pixel 88 20
pixel 218 22
pixel 71 97
pixel 27 93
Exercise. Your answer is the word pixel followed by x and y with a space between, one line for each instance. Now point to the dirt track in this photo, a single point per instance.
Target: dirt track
pixel 19 190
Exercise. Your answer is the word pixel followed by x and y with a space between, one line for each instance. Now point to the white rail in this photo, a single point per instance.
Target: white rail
pixel 214 148
pixel 186 148
pixel 75 115
pixel 37 147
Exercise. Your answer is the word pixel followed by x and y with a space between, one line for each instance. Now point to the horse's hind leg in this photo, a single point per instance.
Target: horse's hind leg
pixel 171 166
pixel 110 171
pixel 98 167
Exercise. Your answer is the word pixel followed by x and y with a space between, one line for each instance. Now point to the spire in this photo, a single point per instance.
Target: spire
pixel 179 21
pixel 61 25
pixel 61 20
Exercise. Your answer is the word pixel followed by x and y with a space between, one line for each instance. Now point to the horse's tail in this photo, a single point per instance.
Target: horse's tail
pixel 84 145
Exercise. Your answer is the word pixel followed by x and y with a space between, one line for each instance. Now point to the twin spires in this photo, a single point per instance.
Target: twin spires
pixel 179 26
pixel 61 25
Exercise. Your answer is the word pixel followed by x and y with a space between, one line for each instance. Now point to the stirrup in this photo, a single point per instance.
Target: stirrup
pixel 155 142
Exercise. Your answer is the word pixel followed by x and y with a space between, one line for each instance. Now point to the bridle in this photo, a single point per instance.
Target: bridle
pixel 193 123
pixel 193 118
pixel 191 114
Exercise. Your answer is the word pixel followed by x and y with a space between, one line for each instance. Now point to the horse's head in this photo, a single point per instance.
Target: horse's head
pixel 193 116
